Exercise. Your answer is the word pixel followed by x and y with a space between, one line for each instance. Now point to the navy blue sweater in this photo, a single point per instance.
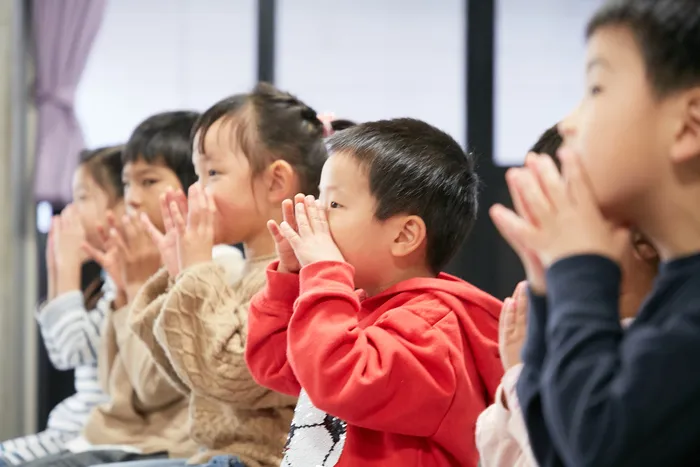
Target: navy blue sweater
pixel 594 396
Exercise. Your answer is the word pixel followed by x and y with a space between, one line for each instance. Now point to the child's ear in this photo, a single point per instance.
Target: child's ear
pixel 410 234
pixel 281 181
pixel 687 144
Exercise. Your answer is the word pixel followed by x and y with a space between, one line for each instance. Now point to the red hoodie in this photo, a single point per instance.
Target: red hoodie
pixel 408 370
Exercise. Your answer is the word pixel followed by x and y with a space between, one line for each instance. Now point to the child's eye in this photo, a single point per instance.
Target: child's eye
pixel 595 90
pixel 334 205
pixel 212 173
pixel 149 182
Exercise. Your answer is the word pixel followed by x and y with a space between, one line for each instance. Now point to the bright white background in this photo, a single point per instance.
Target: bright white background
pixel 157 55
pixel 372 59
pixel 539 74
pixel 363 60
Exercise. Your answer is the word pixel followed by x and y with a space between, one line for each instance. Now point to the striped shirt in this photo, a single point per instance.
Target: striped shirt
pixel 71 335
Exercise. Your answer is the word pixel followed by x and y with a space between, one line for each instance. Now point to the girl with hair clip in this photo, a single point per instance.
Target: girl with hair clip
pixel 97 188
pixel 253 151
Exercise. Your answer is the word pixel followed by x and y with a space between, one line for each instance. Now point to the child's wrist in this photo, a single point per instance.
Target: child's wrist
pixel 285 270
pixel 66 282
pixel 120 300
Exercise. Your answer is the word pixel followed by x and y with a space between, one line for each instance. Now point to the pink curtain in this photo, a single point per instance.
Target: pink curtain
pixel 63 33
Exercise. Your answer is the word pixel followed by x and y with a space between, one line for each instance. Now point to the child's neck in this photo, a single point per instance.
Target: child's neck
pixel 672 223
pixel 259 246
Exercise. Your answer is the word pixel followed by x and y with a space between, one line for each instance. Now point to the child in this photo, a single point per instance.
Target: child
pixel 406 364
pixel 500 431
pixel 96 188
pixel 255 150
pixel 591 394
pixel 145 416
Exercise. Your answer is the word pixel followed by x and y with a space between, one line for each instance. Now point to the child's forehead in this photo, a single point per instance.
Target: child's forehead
pixel 344 166
pixel 613 47
pixel 141 165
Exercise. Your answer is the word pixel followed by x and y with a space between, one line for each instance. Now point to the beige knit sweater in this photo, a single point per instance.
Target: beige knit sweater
pixel 196 331
pixel 144 410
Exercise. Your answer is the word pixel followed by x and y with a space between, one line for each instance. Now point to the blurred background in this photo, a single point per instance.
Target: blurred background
pixel 83 73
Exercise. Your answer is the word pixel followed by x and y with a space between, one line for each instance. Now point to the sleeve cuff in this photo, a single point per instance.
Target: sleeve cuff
pixel 535 348
pixel 54 310
pixel 281 286
pixel 584 279
pixel 508 382
pixel 318 274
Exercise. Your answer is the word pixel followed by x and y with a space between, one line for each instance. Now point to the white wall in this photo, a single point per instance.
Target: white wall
pixel 372 59
pixel 540 52
pixel 156 55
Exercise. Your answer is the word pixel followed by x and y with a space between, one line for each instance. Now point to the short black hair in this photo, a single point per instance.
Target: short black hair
pixel 270 125
pixel 342 124
pixel 415 168
pixel 165 137
pixel 105 166
pixel 667 33
pixel 549 143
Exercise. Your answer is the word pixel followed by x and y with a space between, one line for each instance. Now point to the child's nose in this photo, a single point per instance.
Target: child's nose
pixel 567 127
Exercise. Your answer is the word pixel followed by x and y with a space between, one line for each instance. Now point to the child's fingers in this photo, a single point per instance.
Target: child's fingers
pixel 516 231
pixel 299 198
pixel 508 318
pixel 156 235
pixel 210 208
pixel 288 213
pixel 111 224
pixel 577 181
pixel 549 178
pixel 291 236
pixel 303 225
pixel 518 202
pixel 322 217
pixel 502 318
pixel 520 307
pixel 181 200
pixel 312 213
pixel 128 230
pixel 97 255
pixel 178 219
pixel 195 208
pixel 275 232
pixel 55 224
pixel 532 196
pixel 521 292
pixel 119 241
pixel 103 233
pixel 68 213
pixel 165 213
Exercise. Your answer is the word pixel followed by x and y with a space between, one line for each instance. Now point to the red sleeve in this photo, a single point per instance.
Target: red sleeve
pixel 382 377
pixel 268 318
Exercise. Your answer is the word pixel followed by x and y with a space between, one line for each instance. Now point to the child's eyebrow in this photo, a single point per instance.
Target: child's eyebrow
pixel 329 188
pixel 140 172
pixel 597 61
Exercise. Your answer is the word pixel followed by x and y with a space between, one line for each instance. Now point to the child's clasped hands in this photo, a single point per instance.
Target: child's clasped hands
pixel 304 236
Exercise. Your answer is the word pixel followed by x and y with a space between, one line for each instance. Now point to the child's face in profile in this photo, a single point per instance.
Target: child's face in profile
pixel 91 202
pixel 618 128
pixel 363 240
pixel 144 183
pixel 226 174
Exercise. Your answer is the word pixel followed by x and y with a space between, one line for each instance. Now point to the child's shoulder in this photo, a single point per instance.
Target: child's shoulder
pixel 446 298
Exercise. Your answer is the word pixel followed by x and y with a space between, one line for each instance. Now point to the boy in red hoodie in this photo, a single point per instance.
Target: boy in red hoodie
pixel 392 360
